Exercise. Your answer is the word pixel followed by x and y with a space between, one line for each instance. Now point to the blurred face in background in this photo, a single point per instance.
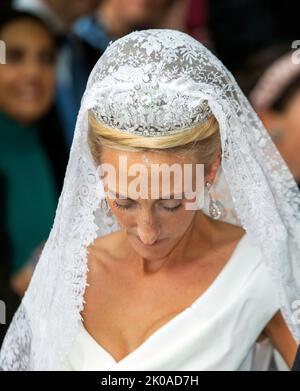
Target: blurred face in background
pixel 140 11
pixel 284 128
pixel 290 144
pixel 27 80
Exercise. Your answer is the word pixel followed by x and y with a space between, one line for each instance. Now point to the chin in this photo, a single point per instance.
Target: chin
pixel 30 115
pixel 154 252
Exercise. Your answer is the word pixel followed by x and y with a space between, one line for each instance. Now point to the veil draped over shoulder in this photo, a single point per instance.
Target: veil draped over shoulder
pixel 149 82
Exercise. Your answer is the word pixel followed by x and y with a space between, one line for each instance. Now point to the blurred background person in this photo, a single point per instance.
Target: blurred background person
pixel 197 21
pixel 86 27
pixel 249 36
pixel 275 96
pixel 33 154
pixel 254 40
pixel 114 18
pixel 75 57
pixel 241 28
pixel 189 16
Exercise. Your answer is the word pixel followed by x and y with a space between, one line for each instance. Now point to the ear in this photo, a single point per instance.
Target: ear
pixel 210 177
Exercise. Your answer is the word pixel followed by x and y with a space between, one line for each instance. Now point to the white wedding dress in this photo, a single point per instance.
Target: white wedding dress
pixel 217 332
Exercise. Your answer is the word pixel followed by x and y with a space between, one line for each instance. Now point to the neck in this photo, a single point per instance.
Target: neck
pixel 17 121
pixel 113 21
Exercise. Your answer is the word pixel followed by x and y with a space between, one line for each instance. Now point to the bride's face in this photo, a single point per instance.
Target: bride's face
pixel 155 216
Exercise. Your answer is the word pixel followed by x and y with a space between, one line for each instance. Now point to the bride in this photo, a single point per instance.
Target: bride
pixel 132 280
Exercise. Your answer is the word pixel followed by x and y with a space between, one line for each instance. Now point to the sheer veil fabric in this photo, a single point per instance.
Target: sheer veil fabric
pixel 156 81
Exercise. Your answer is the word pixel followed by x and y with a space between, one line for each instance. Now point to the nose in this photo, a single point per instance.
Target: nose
pixel 32 70
pixel 148 232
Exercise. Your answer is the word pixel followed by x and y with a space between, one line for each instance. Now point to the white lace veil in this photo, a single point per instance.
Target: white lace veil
pixel 157 80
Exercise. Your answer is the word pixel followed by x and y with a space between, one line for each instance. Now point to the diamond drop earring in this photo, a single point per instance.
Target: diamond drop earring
pixel 215 206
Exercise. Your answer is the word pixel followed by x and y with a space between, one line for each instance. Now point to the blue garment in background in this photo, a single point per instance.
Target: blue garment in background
pixel 90 29
pixel 71 82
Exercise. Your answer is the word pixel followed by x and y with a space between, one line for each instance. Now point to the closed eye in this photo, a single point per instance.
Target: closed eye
pixel 132 204
pixel 173 208
pixel 122 206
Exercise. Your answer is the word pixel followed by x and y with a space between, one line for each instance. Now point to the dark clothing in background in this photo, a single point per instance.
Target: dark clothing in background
pixel 53 141
pixel 75 62
pixel 7 295
pixel 33 161
pixel 240 28
pixel 296 365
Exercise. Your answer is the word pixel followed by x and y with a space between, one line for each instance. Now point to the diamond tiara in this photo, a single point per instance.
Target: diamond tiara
pixel 151 123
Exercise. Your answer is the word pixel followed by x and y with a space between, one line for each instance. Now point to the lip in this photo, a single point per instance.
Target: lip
pixel 30 97
pixel 30 93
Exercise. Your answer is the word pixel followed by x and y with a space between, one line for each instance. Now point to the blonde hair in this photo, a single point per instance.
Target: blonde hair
pixel 203 140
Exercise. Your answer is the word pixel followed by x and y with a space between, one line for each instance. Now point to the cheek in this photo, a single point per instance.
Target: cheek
pixel 48 78
pixel 185 219
pixel 125 218
pixel 175 224
pixel 292 118
pixel 290 143
pixel 9 80
pixel 47 84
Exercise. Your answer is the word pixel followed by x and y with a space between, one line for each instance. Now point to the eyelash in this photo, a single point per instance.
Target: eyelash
pixel 126 207
pixel 172 209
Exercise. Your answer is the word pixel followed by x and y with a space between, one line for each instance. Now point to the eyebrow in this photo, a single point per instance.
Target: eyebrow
pixel 121 196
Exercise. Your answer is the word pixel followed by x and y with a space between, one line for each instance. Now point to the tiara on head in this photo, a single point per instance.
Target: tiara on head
pixel 147 110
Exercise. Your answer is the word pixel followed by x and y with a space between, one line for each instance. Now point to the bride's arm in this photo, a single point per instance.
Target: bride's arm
pixel 281 338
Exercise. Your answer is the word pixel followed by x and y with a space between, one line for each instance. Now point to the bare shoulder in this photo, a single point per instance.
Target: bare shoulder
pixel 228 233
pixel 107 245
pixel 103 268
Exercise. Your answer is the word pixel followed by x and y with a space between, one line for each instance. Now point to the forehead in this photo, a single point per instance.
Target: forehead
pixel 150 174
pixel 25 31
pixel 146 157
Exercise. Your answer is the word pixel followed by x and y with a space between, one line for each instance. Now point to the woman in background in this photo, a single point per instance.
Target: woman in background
pixel 275 96
pixel 113 19
pixel 32 150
